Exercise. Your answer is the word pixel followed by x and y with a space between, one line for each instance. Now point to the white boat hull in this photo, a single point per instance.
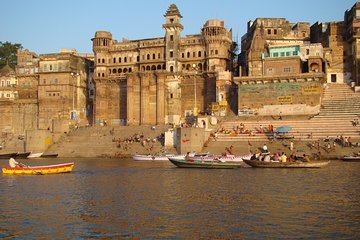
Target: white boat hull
pixel 140 157
pixel 34 155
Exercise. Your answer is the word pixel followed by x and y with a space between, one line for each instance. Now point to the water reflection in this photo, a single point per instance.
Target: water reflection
pixel 109 198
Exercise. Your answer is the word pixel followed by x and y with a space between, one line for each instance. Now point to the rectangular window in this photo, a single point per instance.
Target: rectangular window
pixel 307 51
pixel 294 53
pixel 282 54
pixel 275 31
pixel 171 38
pixel 276 54
pixel 50 67
pixel 171 54
pixel 287 69
pixel 55 67
pixel 62 67
pixel 333 78
pixel 287 54
pixel 45 68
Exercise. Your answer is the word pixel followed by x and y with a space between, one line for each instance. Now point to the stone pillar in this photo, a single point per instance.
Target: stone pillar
pixel 130 100
pixel 144 98
pixel 160 98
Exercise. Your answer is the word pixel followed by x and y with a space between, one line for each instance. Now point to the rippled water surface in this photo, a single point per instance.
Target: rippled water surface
pixel 124 199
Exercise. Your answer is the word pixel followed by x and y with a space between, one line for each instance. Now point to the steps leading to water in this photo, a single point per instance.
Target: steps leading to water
pixel 340 106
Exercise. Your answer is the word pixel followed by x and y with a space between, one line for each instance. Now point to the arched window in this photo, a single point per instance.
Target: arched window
pixel 153 67
pixel 119 70
pixel 200 66
pixel 125 70
pixel 147 68
pixel 114 70
pixel 188 54
pixel 148 57
pixel 143 68
pixel 199 54
pixel 103 74
pixel 159 67
pixel 216 52
pixel 153 55
pixel 130 70
pixel 138 58
pixel 183 55
pixel 159 55
pixel 171 69
pixel 114 60
pixel 164 67
pixel 103 60
pixel 125 59
pixel 188 67
pixel 119 59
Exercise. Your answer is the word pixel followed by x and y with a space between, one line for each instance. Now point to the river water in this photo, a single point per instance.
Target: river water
pixel 125 199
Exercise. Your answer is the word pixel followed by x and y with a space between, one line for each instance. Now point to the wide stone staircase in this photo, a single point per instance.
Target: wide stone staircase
pixel 340 107
pixel 100 141
pixel 340 101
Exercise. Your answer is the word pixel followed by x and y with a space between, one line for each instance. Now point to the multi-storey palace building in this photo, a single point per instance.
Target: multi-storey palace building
pixel 168 79
pixel 161 80
pixel 281 68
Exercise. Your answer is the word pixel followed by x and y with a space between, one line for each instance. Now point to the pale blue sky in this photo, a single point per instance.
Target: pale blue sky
pixel 46 26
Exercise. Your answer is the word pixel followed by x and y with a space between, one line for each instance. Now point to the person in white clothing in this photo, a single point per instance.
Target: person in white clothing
pixel 265 148
pixel 14 164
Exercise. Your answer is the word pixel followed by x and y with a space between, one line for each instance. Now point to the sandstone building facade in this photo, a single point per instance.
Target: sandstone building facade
pixel 280 68
pixel 161 80
pixel 62 89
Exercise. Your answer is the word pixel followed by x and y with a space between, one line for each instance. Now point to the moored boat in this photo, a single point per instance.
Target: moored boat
pixel 351 158
pixel 190 163
pixel 49 155
pixel 7 155
pixel 297 164
pixel 40 170
pixel 22 154
pixel 142 157
pixel 35 155
pixel 222 158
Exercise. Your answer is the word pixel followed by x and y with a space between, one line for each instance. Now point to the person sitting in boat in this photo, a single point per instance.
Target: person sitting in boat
pixel 283 157
pixel 292 158
pixel 266 158
pixel 187 156
pixel 15 164
pixel 253 157
pixel 276 157
pixel 305 158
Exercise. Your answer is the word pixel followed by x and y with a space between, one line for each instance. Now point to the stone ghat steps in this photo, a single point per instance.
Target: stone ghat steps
pixel 99 141
pixel 319 128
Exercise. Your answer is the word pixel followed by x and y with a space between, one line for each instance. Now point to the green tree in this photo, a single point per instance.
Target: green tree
pixel 8 53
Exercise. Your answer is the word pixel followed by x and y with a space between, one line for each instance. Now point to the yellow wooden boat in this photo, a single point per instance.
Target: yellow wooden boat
pixel 40 170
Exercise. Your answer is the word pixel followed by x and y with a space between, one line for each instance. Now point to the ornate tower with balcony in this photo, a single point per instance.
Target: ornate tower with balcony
pixel 101 46
pixel 218 43
pixel 173 28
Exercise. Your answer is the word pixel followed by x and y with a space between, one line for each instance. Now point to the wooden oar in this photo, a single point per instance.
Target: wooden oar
pixel 26 166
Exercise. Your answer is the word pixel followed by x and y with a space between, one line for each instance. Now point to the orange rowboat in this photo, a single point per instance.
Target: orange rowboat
pixel 40 170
